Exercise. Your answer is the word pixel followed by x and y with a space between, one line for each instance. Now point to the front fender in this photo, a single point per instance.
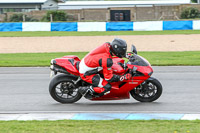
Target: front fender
pixel 151 78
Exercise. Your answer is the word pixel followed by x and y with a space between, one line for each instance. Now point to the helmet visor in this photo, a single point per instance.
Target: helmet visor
pixel 123 52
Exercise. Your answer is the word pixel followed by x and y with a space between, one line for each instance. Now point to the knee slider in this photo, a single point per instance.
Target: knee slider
pixel 95 80
pixel 107 87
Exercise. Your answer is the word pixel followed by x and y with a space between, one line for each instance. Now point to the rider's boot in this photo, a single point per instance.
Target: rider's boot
pixel 86 91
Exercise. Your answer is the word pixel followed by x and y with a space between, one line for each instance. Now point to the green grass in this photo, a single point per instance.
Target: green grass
pixel 106 33
pixel 109 126
pixel 190 58
pixel 33 59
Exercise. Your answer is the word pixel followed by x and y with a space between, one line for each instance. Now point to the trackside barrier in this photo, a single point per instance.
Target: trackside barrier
pixel 177 25
pixel 102 26
pixel 148 26
pixel 119 26
pixel 39 26
pixel 196 25
pixel 91 26
pixel 10 26
pixel 66 26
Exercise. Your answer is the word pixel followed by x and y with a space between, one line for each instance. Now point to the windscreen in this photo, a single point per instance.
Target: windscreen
pixel 138 60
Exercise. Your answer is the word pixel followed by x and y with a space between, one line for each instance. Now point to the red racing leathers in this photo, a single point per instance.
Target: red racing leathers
pixel 98 59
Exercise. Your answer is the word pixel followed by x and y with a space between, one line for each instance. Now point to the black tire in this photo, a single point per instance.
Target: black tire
pixel 143 89
pixel 63 79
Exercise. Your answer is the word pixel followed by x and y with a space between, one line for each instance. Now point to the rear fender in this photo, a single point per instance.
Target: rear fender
pixel 63 76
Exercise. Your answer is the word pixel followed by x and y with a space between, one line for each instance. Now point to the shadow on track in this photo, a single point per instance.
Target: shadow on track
pixel 110 104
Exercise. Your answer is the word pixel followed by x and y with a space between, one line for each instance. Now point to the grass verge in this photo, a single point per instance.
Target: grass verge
pixel 95 33
pixel 189 58
pixel 109 126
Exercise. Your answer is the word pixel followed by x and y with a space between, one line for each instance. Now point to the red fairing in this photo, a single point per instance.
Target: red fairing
pixel 65 63
pixel 120 90
pixel 144 69
pixel 116 93
pixel 72 57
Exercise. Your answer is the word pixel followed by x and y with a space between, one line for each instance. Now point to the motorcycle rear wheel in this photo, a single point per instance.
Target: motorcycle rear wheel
pixel 150 91
pixel 63 90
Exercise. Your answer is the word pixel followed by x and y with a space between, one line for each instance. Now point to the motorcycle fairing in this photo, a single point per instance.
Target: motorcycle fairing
pixel 120 90
pixel 69 63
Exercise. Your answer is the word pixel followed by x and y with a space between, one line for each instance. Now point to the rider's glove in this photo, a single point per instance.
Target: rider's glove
pixel 115 78
pixel 126 77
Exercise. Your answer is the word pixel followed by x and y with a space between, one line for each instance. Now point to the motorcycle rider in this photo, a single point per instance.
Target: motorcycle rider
pixel 101 59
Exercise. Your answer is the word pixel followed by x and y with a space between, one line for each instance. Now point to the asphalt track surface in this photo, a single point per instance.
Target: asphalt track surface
pixel 26 90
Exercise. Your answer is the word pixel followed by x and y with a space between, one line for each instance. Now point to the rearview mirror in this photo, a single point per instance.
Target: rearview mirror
pixel 133 49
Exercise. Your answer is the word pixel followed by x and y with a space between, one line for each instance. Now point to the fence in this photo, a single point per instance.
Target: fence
pixel 102 26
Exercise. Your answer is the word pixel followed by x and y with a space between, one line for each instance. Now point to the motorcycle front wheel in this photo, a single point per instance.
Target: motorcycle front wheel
pixel 148 91
pixel 63 89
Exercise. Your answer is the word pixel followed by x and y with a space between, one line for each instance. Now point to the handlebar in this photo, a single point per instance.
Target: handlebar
pixel 130 56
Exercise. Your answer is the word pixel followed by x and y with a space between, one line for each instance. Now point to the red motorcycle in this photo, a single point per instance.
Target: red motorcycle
pixel 142 87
